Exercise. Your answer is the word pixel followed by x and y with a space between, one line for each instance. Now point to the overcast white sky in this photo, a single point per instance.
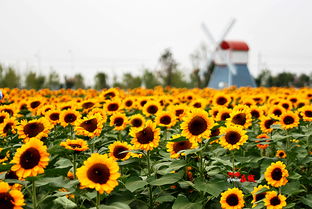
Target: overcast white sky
pixel 118 36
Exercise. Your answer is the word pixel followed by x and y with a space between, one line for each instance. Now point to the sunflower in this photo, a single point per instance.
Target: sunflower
pixel 273 200
pixel 151 108
pixel 89 126
pixel 34 129
pixel 87 105
pixel 53 116
pixel 276 174
pixel 179 110
pixel 276 111
pixel 232 137
pixel 232 199
pixel 146 137
pixel 265 124
pixel 198 103
pixel 175 147
pixel 119 121
pixel 11 109
pixel 76 145
pixel 306 113
pixel 4 156
pixel 34 104
pixel 256 111
pixel 137 121
pixel 110 93
pixel 197 125
pixel 66 106
pixel 3 116
pixel 223 114
pixel 256 196
pixel 69 116
pixel 112 106
pixel 240 117
pixel 45 108
pixel 30 159
pixel 166 119
pixel 8 126
pixel 99 172
pixel 265 138
pixel 221 99
pixel 116 150
pixel 289 120
pixel 10 198
pixel 281 154
pixel 129 102
pixel 100 111
pixel 214 111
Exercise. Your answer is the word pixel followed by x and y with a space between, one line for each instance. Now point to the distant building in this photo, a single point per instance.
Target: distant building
pixel 236 53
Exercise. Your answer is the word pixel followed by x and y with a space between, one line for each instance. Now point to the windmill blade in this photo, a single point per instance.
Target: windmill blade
pixel 209 35
pixel 226 31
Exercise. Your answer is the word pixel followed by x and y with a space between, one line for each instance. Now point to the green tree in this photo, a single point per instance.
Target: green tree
pixel 149 80
pixel 79 81
pixel 32 81
pixel 129 81
pixel 168 66
pixel 53 81
pixel 10 78
pixel 100 81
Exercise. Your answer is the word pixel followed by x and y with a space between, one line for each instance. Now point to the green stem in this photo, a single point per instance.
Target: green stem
pixel 98 200
pixel 201 168
pixel 150 191
pixel 34 195
pixel 233 165
pixel 74 164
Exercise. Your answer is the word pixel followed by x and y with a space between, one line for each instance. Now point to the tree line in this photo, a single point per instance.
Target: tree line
pixel 168 74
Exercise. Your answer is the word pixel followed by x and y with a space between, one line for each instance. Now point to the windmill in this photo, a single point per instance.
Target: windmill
pixel 230 59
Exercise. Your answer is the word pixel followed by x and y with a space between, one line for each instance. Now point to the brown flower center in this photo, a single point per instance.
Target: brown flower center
pixel 277 174
pixel 275 201
pixel 166 120
pixel 232 200
pixel 239 119
pixel 110 95
pixel 137 122
pixel 117 152
pixel 215 132
pixel 9 111
pixel 268 123
pixel 7 127
pixel 255 114
pixel 277 112
pixel 145 136
pixel 30 158
pixel 197 105
pixel 308 113
pixel 70 118
pixel 152 109
pixel 98 173
pixel 289 120
pixel 232 137
pixel 33 129
pixel 281 154
pixel 224 116
pixel 221 100
pixel 183 145
pixel 118 121
pixel 112 107
pixel 11 175
pixel 129 103
pixel 197 125
pixel 87 105
pixel 2 119
pixel 34 104
pixel 74 146
pixel 89 125
pixel 142 103
pixel 179 112
pixel 55 116
pixel 260 196
pixel 285 105
pixel 6 201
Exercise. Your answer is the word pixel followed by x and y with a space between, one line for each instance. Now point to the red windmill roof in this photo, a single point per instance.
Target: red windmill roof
pixel 234 45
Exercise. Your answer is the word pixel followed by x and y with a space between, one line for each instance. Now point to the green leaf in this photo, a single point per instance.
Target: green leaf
pixel 307 200
pixel 213 188
pixel 115 205
pixel 176 165
pixel 66 203
pixel 291 188
pixel 133 185
pixel 183 203
pixel 167 179
pixel 165 198
pixel 52 181
pixel 5 167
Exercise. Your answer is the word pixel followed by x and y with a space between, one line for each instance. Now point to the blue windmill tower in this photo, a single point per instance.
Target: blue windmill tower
pixel 231 62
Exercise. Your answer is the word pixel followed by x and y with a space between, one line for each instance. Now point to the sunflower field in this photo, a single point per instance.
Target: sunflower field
pixel 156 148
